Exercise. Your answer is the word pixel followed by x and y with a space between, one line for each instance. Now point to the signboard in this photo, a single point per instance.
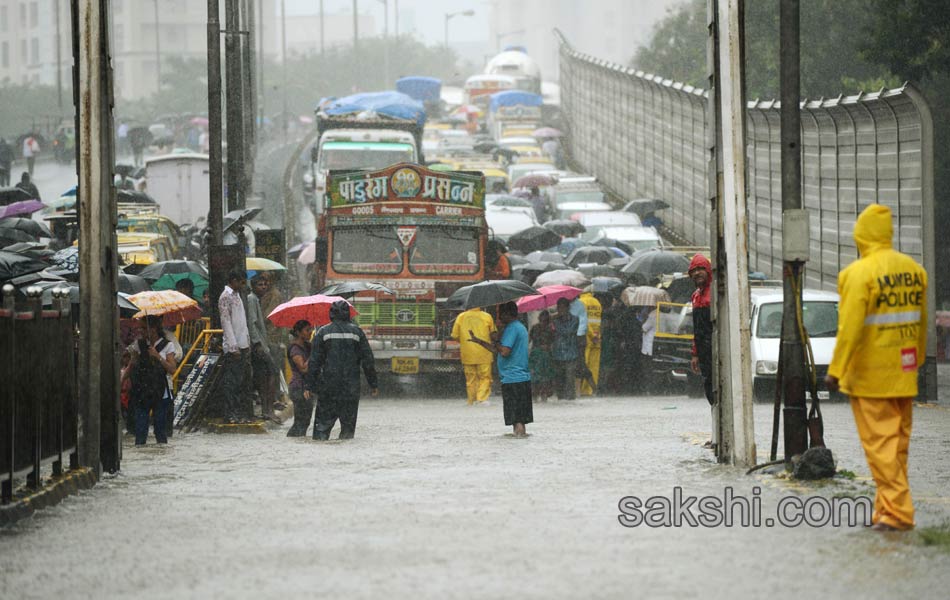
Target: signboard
pixel 271 244
pixel 195 387
pixel 406 183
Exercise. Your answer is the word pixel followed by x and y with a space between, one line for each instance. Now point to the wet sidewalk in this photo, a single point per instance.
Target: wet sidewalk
pixel 434 500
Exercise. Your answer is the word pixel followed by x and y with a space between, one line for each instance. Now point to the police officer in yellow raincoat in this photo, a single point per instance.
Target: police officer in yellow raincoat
pixel 881 342
pixel 592 349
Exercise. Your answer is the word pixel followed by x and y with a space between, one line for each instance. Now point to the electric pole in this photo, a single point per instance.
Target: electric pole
pixel 158 51
pixel 794 228
pixel 100 439
pixel 235 104
pixel 215 165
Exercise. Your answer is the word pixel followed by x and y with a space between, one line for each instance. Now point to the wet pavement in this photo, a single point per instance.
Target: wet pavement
pixel 434 499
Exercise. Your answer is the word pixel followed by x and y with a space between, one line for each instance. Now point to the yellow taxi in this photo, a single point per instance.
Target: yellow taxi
pixel 142 249
pixel 153 223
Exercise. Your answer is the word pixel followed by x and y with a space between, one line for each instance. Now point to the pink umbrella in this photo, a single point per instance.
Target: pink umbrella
pixel 548 297
pixel 315 309
pixel 21 208
pixel 202 121
pixel 308 255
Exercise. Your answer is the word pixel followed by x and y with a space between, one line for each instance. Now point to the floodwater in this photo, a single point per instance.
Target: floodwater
pixel 434 500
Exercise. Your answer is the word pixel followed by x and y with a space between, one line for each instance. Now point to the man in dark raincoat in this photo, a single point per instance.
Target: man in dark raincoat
pixel 339 350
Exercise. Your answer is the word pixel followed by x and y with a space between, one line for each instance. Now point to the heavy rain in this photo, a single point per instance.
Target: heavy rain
pixel 457 299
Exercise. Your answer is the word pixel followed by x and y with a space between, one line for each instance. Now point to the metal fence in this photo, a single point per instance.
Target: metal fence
pixel 38 407
pixel 646 136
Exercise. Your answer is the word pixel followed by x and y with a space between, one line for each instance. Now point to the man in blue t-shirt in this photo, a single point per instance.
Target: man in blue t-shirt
pixel 512 351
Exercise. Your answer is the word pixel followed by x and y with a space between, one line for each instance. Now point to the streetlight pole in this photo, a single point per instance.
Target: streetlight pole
pixel 356 27
pixel 283 61
pixel 450 16
pixel 158 52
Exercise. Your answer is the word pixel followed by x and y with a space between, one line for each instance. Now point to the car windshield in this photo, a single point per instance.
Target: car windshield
pixel 821 319
pixel 364 158
pixel 580 196
pixel 444 251
pixel 367 250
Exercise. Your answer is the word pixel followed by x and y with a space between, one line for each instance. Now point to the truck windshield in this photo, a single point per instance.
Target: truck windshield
pixel 821 319
pixel 365 158
pixel 445 251
pixel 374 250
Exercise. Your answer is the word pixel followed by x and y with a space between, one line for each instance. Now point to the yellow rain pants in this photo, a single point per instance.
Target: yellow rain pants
pixel 478 382
pixel 884 428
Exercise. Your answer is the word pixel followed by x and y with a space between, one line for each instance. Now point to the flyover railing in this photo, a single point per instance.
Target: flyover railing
pixel 646 136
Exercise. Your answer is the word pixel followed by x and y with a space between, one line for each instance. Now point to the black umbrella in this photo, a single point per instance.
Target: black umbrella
pixel 127 310
pixel 132 284
pixel 652 264
pixel 13 194
pixel 13 265
pixel 565 227
pixel 485 147
pixel 236 215
pixel 530 271
pixel 28 226
pixel 681 290
pixel 515 259
pixel 612 243
pixel 591 271
pixel 488 293
pixel 124 196
pixel 155 270
pixel 644 206
pixel 620 262
pixel 554 257
pixel 590 254
pixel 606 285
pixel 534 238
pixel 8 237
pixel 31 249
pixel 351 288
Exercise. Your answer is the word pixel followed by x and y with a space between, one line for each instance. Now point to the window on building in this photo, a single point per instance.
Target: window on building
pixel 23 55
pixel 35 51
pixel 23 16
pixel 3 18
pixel 5 54
pixel 34 14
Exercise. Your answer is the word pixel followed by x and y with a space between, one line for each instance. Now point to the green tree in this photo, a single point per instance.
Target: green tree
pixel 677 47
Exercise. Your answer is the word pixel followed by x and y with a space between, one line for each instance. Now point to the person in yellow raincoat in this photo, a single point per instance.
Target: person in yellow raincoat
pixel 592 350
pixel 476 361
pixel 881 342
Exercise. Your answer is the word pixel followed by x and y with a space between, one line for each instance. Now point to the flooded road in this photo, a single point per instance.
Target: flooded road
pixel 433 499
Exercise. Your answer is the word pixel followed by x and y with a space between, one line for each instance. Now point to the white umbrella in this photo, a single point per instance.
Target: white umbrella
pixel 562 277
pixel 644 295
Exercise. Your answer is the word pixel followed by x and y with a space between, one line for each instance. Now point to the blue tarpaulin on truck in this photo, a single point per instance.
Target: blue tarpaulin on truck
pixel 423 89
pixel 389 104
pixel 514 98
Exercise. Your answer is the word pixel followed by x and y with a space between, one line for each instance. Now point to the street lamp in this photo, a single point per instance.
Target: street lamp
pixel 464 13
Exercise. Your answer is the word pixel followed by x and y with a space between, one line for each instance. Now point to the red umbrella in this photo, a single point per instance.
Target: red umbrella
pixel 315 309
pixel 548 297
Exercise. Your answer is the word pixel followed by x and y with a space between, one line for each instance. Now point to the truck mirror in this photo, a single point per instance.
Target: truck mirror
pixel 320 250
pixel 314 154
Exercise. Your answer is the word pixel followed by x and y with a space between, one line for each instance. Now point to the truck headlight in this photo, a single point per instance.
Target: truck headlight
pixel 766 367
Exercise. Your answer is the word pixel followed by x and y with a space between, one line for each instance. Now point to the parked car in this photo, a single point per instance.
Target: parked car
pixel 820 317
pixel 505 221
pixel 636 237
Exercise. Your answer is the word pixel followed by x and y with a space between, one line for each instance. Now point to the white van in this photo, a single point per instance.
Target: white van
pixel 820 315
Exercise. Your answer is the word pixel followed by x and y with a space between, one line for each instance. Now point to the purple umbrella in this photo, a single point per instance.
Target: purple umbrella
pixel 23 207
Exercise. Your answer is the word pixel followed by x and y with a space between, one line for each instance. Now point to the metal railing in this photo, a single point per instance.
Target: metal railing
pixel 38 413
pixel 644 136
pixel 201 342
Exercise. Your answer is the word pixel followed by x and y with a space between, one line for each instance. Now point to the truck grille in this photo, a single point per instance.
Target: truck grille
pixel 397 318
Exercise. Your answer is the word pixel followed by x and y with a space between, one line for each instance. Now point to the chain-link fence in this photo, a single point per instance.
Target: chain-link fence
pixel 646 137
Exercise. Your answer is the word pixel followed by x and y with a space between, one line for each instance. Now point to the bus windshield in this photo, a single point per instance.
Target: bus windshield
pixel 444 251
pixel 375 250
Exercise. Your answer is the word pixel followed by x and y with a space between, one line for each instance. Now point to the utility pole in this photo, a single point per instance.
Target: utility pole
pixel 283 62
pixel 249 79
pixel 215 166
pixel 100 441
pixel 59 59
pixel 260 62
pixel 356 27
pixel 794 228
pixel 235 103
pixel 158 51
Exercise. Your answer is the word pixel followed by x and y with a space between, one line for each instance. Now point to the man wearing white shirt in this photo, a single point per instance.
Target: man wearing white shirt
pixel 237 345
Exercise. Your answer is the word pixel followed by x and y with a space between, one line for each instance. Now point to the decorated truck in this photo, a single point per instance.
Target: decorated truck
pixel 419 232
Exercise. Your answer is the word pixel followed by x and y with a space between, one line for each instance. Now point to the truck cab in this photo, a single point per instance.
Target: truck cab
pixel 356 149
